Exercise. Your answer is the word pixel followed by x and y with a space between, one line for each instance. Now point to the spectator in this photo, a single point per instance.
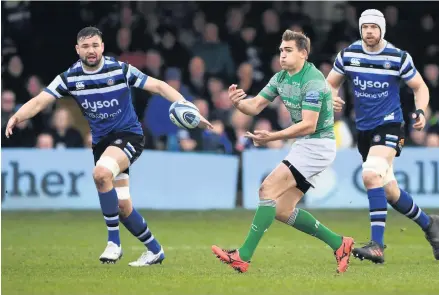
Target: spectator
pixel 197 78
pixel 432 139
pixel 345 29
pixel 24 136
pixel 431 76
pixel 45 141
pixel 222 106
pixel 8 106
pixel 13 78
pixel 174 54
pixel 429 44
pixel 153 64
pixel 245 79
pixel 126 52
pixel 244 49
pixel 270 34
pixel 63 133
pixel 395 28
pixel 215 53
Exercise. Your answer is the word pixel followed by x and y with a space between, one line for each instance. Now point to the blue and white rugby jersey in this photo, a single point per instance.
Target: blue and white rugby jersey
pixel 375 78
pixel 103 96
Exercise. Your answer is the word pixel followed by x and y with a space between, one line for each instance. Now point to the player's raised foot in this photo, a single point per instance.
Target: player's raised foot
pixel 148 258
pixel 372 251
pixel 231 257
pixel 432 235
pixel 343 254
pixel 112 253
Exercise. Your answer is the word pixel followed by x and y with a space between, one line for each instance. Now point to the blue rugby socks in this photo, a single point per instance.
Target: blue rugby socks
pixel 405 205
pixel 110 210
pixel 378 214
pixel 137 225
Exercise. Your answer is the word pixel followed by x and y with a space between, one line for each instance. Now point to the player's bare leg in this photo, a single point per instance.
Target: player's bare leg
pixel 375 168
pixel 112 161
pixel 286 212
pixel 137 225
pixel 402 202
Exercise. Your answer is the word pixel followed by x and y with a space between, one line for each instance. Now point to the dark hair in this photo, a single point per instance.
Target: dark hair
pixel 302 41
pixel 88 32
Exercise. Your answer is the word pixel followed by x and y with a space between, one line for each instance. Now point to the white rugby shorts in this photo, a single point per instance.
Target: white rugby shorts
pixel 312 156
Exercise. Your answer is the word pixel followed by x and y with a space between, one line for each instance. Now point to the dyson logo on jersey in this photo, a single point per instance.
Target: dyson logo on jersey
pixel 99 104
pixel 364 84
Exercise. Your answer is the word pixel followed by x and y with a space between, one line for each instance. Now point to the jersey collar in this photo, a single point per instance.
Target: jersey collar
pixel 97 70
pixel 377 52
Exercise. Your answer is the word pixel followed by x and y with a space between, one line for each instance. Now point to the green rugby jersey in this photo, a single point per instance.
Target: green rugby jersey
pixel 305 90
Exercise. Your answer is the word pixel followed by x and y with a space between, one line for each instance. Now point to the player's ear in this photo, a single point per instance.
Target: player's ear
pixel 103 46
pixel 303 54
pixel 77 48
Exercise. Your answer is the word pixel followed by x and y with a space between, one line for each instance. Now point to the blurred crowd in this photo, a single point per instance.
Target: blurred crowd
pixel 199 48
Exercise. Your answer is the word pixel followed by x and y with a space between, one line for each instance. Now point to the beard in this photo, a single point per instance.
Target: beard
pixel 91 64
pixel 371 42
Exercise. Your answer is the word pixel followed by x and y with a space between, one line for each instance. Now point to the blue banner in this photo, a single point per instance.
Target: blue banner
pixel 341 185
pixel 62 179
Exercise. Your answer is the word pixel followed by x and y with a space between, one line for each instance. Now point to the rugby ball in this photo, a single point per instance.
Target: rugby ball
pixel 184 114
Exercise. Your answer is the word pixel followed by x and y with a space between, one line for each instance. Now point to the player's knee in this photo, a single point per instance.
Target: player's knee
pixel 125 208
pixel 392 191
pixel 266 191
pixel 283 214
pixel 374 170
pixel 102 176
pixel 371 179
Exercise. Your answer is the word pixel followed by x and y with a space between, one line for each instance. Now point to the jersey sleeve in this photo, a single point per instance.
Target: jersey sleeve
pixel 57 87
pixel 338 64
pixel 134 76
pixel 408 69
pixel 270 90
pixel 312 95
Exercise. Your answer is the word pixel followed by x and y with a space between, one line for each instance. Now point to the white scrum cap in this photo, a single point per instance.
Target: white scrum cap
pixel 373 16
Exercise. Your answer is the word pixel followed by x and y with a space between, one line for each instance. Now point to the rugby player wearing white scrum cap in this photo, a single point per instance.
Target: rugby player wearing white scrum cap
pixel 374 67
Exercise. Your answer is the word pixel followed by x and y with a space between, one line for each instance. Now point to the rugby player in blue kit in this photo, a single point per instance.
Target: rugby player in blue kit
pixel 374 68
pixel 101 87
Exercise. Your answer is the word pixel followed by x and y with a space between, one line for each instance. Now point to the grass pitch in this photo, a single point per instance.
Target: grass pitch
pixel 57 253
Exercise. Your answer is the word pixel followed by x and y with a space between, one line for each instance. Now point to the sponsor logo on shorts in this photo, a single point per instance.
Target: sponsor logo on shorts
pixel 376 138
pixel 118 141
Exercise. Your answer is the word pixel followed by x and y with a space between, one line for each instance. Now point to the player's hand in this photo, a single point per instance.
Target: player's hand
pixel 260 137
pixel 338 104
pixel 204 123
pixel 236 95
pixel 11 124
pixel 420 121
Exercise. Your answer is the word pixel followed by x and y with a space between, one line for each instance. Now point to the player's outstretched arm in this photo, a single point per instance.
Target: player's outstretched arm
pixel 162 88
pixel 165 90
pixel 251 106
pixel 335 80
pixel 29 110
